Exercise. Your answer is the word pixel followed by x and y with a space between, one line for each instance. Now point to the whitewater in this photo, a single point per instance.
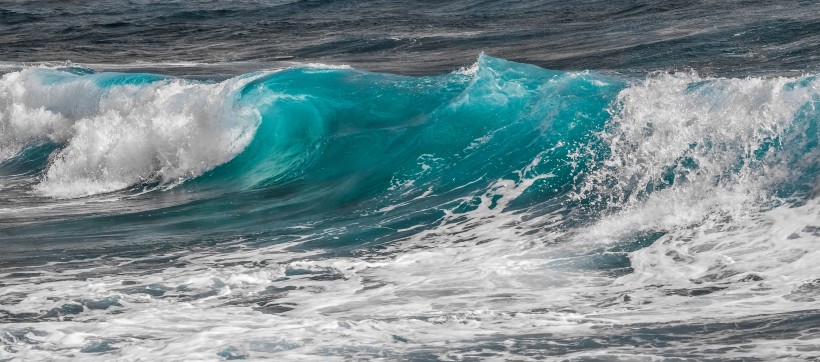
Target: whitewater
pixel 302 180
pixel 498 211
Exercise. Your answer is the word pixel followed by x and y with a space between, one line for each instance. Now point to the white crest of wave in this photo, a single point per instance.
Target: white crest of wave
pixel 684 143
pixel 117 136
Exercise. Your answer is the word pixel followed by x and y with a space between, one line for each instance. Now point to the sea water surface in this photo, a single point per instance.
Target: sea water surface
pixel 349 180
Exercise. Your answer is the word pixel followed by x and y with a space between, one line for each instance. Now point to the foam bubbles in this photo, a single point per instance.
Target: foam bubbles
pixel 688 144
pixel 122 130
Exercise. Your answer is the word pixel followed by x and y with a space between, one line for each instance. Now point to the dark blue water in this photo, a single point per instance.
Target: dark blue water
pixel 300 180
pixel 419 37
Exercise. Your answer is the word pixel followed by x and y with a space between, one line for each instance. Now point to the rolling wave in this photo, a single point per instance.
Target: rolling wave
pixel 583 135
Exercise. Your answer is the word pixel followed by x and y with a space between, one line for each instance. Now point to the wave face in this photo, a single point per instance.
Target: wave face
pixel 318 211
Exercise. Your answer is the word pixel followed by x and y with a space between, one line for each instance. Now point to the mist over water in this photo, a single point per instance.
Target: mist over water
pixel 483 180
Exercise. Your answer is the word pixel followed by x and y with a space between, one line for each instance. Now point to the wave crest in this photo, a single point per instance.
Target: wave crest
pixel 119 130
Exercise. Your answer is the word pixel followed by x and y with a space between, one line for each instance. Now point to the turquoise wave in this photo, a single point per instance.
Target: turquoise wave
pixel 362 133
pixel 261 153
pixel 348 135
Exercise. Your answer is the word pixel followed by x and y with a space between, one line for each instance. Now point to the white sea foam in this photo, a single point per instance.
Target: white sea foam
pixel 669 122
pixel 116 136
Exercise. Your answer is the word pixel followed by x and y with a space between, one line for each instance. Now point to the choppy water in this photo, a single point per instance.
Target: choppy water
pixel 308 180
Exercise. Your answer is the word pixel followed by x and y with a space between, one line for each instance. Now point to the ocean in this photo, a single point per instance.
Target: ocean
pixel 409 180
